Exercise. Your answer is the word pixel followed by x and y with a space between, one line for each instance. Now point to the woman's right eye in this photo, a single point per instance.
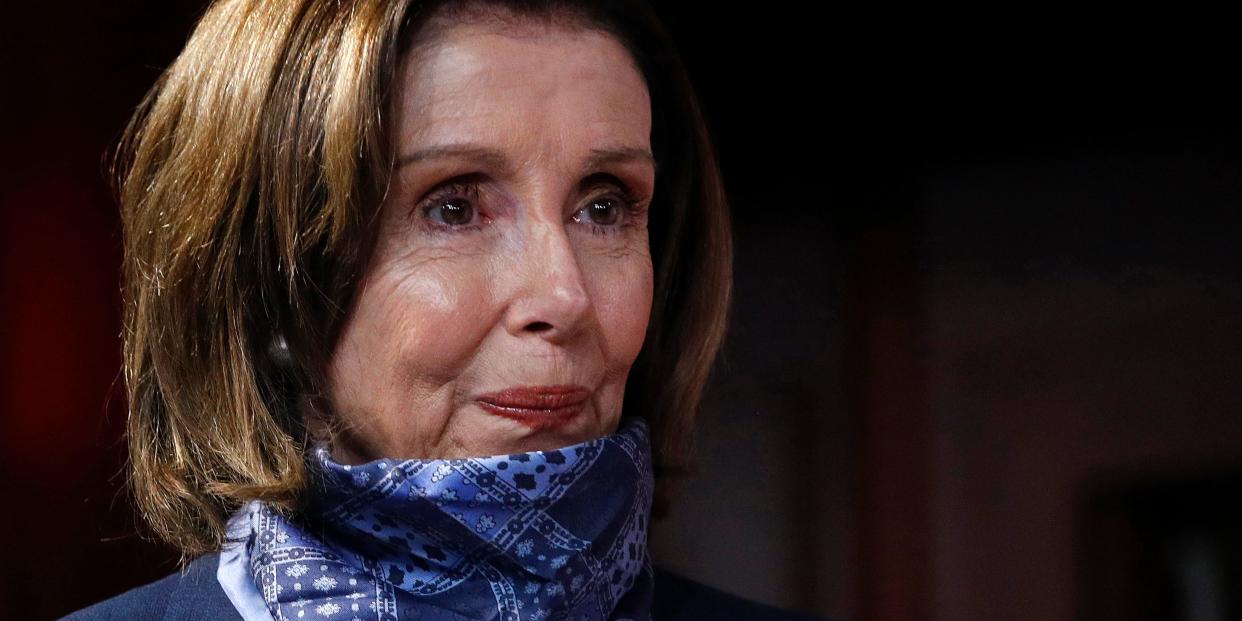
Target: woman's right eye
pixel 451 212
pixel 452 208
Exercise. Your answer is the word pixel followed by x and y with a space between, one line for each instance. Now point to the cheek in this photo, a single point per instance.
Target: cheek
pixel 623 291
pixel 423 320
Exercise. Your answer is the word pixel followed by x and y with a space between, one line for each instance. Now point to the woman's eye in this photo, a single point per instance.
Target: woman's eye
pixel 608 214
pixel 452 208
pixel 603 211
pixel 451 212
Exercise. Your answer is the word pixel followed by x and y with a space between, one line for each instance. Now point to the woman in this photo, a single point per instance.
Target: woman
pixel 392 270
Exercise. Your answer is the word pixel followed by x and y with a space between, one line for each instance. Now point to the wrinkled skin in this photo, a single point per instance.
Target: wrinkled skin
pixel 535 270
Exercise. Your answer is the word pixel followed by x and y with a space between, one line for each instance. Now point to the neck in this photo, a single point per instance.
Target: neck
pixel 521 536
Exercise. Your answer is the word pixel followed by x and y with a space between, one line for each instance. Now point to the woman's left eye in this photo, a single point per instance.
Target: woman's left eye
pixel 608 214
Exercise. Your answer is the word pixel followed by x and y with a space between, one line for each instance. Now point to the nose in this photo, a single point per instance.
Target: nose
pixel 552 299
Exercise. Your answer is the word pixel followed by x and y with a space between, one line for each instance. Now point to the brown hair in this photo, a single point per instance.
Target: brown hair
pixel 249 181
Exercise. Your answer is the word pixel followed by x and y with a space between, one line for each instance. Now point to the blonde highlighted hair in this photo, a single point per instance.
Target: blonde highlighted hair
pixel 249 180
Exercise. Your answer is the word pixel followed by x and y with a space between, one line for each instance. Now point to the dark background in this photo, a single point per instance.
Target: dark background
pixel 985 356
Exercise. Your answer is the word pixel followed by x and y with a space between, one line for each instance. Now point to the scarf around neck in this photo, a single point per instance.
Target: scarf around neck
pixel 556 534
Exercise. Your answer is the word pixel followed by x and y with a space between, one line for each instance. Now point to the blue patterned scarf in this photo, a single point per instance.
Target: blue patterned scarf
pixel 557 534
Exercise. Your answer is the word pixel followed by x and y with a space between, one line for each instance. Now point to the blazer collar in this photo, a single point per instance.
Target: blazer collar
pixel 198 594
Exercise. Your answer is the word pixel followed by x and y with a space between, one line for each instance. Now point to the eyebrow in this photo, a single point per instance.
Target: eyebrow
pixel 495 159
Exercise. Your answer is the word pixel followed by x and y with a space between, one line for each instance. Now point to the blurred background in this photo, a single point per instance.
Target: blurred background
pixel 984 361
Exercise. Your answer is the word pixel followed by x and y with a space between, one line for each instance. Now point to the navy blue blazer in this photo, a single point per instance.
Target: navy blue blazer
pixel 196 595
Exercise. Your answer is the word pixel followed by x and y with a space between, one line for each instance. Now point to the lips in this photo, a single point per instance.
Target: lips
pixel 538 407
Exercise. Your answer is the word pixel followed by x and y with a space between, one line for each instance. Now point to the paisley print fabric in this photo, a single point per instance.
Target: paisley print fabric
pixel 557 534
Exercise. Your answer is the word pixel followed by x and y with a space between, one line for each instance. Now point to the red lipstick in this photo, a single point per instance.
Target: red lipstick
pixel 537 407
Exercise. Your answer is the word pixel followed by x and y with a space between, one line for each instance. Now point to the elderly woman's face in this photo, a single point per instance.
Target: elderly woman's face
pixel 512 253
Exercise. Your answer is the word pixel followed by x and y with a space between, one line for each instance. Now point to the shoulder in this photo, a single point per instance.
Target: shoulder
pixel 678 597
pixel 191 593
pixel 179 595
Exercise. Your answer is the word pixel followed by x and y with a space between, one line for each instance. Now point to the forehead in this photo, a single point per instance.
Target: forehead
pixel 521 84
